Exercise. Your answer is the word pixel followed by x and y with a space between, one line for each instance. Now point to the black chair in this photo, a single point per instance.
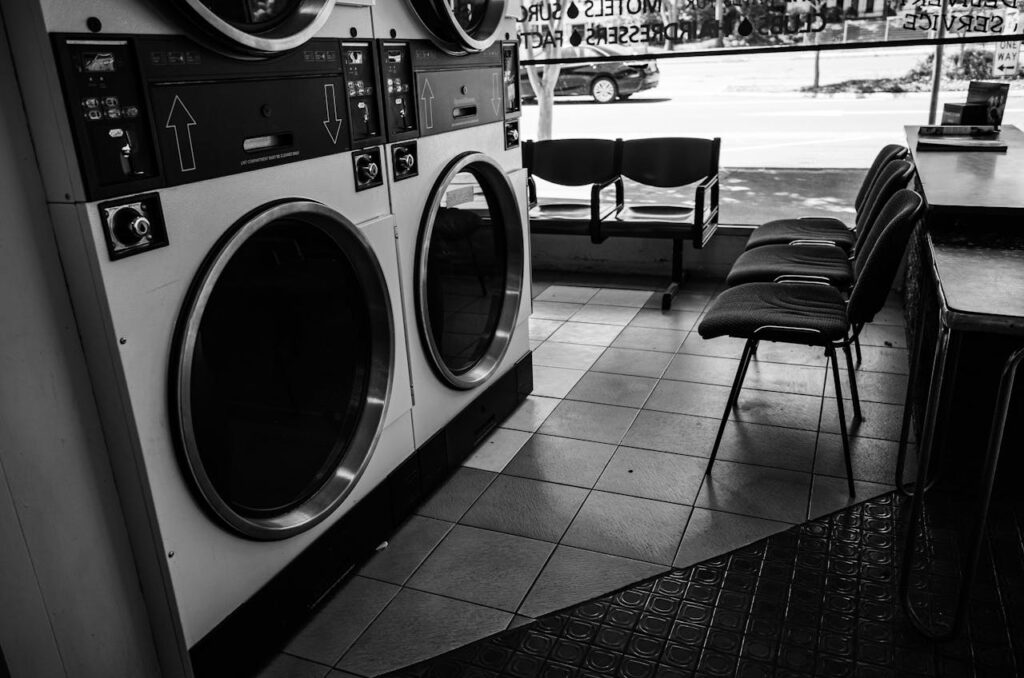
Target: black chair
pixel 668 162
pixel 827 229
pixel 571 162
pixel 814 313
pixel 822 262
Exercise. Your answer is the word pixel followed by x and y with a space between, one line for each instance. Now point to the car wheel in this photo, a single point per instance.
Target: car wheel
pixel 604 90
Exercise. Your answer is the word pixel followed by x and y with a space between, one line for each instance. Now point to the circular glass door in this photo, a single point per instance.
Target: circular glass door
pixel 257 28
pixel 469 270
pixel 282 369
pixel 461 26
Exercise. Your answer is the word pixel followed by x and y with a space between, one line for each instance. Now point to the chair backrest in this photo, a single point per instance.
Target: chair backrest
pixel 885 156
pixel 884 248
pixel 893 177
pixel 670 161
pixel 572 162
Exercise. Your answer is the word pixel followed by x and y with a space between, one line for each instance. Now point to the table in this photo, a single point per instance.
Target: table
pixel 978 270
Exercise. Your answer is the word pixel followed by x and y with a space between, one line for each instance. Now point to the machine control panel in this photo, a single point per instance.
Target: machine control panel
pixel 429 92
pixel 399 90
pixel 404 160
pixel 510 79
pixel 133 225
pixel 367 166
pixel 362 93
pixel 155 111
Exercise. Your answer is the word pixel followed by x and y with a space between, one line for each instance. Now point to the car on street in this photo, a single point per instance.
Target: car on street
pixel 605 81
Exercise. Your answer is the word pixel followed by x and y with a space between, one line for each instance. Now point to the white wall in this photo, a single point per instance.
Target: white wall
pixel 69 592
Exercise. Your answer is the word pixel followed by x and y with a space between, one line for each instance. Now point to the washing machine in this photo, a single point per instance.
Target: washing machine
pixel 226 234
pixel 458 193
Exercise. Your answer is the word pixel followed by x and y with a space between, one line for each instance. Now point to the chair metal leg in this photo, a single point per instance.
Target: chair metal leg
pixel 856 344
pixel 677 275
pixel 744 366
pixel 853 384
pixel 831 353
pixel 737 385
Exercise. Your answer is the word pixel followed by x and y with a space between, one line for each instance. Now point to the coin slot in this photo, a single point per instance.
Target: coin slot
pixel 464 112
pixel 267 142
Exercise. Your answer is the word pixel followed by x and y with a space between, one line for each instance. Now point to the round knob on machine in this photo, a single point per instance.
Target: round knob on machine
pixel 131 226
pixel 513 134
pixel 405 161
pixel 366 170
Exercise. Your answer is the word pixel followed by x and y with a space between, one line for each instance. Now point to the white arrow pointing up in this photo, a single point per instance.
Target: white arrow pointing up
pixel 427 97
pixel 177 119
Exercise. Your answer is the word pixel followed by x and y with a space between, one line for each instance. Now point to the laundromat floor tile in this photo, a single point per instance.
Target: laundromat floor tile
pixel 567 293
pixel 407 550
pixel 457 494
pixel 286 666
pixel 526 507
pixel 531 413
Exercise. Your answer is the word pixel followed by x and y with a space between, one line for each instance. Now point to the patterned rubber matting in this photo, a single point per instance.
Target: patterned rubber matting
pixel 819 599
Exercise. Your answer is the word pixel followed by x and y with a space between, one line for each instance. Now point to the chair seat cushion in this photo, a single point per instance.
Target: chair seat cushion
pixel 765 264
pixel 561 209
pixel 639 213
pixel 785 231
pixel 742 311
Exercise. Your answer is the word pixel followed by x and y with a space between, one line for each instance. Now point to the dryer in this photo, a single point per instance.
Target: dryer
pixel 457 27
pixel 458 193
pixel 227 238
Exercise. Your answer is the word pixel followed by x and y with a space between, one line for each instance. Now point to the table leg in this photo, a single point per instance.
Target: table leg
pixel 995 441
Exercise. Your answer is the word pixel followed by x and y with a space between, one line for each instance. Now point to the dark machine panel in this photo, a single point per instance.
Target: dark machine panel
pixel 149 112
pixel 399 90
pixel 510 79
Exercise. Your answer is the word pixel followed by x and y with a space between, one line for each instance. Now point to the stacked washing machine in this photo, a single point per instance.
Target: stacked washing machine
pixel 215 175
pixel 458 193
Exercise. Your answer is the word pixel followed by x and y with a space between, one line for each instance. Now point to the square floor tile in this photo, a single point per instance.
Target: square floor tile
pixel 589 421
pixel 719 347
pixel 334 627
pixel 616 297
pixel 554 382
pixel 779 409
pixel 702 369
pixel 769 493
pixel 653 475
pixel 605 315
pixel 684 397
pixel 286 666
pixel 483 567
pixel 497 450
pixel 633 362
pixel 711 533
pixel 567 293
pixel 880 420
pixel 877 387
pixel 793 354
pixel 537 287
pixel 670 432
pixel 892 336
pixel 631 527
pixel 593 334
pixel 650 339
pixel 874 460
pixel 831 494
pixel 575 575
pixel 526 507
pixel 534 345
pixel 890 315
pixel 882 359
pixel 541 329
pixel 561 460
pixel 776 446
pixel 554 310
pixel 531 413
pixel 567 356
pixel 766 376
pixel 683 301
pixel 406 550
pixel 681 321
pixel 409 631
pixel 450 501
pixel 612 389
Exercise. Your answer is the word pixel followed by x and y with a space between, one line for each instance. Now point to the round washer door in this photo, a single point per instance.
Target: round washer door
pixel 461 26
pixel 282 367
pixel 255 28
pixel 469 270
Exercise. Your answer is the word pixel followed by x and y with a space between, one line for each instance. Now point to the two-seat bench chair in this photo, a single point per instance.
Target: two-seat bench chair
pixel 665 163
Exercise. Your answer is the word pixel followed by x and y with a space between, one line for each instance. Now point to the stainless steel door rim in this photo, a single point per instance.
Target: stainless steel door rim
pixel 359 445
pixel 506 211
pixel 442 21
pixel 290 31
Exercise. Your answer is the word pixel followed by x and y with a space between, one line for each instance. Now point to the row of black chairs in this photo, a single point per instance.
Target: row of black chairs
pixel 602 164
pixel 817 282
